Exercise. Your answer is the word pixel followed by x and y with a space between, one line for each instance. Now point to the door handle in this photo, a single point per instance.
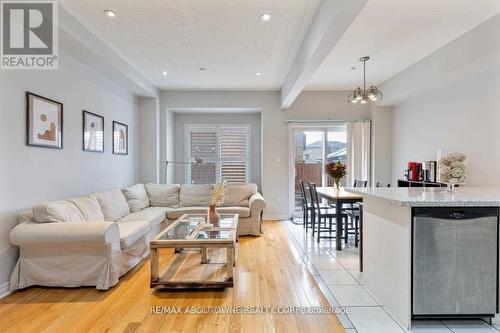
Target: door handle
pixel 457 215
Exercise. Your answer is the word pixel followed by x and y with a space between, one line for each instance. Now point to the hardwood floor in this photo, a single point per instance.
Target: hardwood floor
pixel 268 273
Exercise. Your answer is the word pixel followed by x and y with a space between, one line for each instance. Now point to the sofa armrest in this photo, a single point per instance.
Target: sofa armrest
pixel 65 232
pixel 257 202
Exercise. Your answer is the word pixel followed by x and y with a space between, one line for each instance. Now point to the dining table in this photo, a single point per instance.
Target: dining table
pixel 339 198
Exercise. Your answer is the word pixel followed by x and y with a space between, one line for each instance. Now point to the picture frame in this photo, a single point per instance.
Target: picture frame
pixel 44 122
pixel 120 138
pixel 92 132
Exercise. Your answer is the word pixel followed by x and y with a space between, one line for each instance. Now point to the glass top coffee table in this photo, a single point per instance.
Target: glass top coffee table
pixel 190 232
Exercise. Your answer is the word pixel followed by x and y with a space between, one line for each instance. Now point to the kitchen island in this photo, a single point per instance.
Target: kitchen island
pixel 429 252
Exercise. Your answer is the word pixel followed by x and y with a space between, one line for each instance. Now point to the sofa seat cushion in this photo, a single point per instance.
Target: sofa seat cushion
pixel 137 197
pixel 242 211
pixel 154 215
pixel 131 231
pixel 238 195
pixel 175 213
pixel 113 204
pixel 57 211
pixel 90 208
pixel 195 195
pixel 178 212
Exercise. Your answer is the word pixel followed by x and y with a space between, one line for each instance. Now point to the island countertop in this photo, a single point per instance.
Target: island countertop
pixel 433 196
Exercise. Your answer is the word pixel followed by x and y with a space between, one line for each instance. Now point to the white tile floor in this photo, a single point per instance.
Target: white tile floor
pixel 337 273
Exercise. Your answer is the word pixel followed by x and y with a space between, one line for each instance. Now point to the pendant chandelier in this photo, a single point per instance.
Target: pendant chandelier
pixel 364 95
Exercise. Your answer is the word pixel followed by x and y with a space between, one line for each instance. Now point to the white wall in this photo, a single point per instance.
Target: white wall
pixel 465 115
pixel 455 105
pixel 149 127
pixel 382 124
pixel 181 119
pixel 310 105
pixel 166 146
pixel 30 175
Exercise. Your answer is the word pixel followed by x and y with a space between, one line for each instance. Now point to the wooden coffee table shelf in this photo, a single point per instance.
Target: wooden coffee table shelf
pixel 184 233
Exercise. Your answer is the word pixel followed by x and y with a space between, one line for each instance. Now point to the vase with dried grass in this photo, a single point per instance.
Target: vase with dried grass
pixel 216 200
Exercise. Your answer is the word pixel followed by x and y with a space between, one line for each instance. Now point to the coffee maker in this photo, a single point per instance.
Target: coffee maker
pixel 429 171
pixel 414 171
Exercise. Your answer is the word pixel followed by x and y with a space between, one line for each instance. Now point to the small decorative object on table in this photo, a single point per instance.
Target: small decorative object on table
pixel 217 199
pixel 451 168
pixel 204 223
pixel 337 170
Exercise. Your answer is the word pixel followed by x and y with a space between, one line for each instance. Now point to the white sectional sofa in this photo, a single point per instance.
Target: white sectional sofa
pixel 95 239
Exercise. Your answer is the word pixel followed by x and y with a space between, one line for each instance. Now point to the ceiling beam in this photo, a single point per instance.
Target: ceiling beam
pixel 331 21
pixel 80 41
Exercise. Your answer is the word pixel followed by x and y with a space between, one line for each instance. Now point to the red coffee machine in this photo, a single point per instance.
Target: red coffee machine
pixel 414 170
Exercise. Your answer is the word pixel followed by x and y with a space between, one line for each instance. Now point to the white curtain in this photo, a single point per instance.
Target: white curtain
pixel 358 151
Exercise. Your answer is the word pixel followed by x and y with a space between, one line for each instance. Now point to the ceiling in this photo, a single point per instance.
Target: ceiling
pixel 396 34
pixel 226 37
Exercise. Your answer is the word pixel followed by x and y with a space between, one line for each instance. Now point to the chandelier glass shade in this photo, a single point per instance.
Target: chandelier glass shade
pixel 364 95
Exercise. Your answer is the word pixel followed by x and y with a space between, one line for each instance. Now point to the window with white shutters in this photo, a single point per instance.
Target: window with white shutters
pixel 233 154
pixel 203 144
pixel 225 150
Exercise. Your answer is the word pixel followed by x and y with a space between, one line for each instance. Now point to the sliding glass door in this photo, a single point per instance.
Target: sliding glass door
pixel 312 147
pixel 336 149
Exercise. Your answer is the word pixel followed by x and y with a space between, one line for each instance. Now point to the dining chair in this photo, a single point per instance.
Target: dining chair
pixel 352 224
pixel 309 215
pixel 360 183
pixel 303 203
pixel 307 210
pixel 323 214
pixel 360 236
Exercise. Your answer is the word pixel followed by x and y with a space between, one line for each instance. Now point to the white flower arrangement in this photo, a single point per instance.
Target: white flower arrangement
pixel 451 167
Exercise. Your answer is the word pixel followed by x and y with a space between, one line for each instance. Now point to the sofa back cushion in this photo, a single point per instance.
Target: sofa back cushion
pixel 57 211
pixel 137 197
pixel 113 204
pixel 162 195
pixel 89 207
pixel 238 195
pixel 195 195
pixel 26 216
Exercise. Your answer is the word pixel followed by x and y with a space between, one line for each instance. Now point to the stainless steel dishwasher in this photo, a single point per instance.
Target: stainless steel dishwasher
pixel 455 262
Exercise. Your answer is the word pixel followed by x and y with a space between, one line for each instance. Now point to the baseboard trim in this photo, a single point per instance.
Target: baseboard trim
pixel 276 217
pixel 5 290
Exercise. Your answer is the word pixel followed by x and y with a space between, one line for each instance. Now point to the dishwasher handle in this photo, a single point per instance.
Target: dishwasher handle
pixel 455 213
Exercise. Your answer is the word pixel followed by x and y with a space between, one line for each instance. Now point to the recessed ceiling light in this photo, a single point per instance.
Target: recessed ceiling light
pixel 109 13
pixel 258 73
pixel 165 73
pixel 265 17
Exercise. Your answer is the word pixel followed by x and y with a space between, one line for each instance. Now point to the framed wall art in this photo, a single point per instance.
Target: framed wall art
pixel 120 138
pixel 44 125
pixel 93 132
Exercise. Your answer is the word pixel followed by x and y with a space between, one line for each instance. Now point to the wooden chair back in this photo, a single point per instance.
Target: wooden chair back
pixel 314 196
pixel 360 183
pixel 303 194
